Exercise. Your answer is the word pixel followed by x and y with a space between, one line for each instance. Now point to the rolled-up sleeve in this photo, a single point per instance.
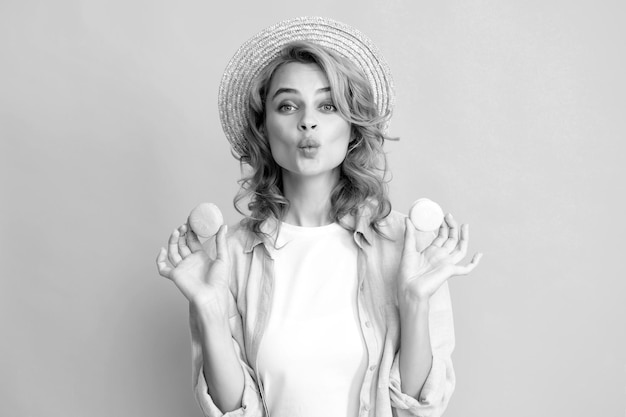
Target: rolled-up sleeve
pixel 435 395
pixel 440 382
pixel 251 404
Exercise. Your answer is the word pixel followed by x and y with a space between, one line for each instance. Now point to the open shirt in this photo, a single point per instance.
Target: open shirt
pixel 251 282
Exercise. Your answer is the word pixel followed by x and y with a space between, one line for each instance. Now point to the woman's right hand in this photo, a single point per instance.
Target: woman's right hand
pixel 202 281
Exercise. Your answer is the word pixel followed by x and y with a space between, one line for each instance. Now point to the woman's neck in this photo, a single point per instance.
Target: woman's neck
pixel 309 198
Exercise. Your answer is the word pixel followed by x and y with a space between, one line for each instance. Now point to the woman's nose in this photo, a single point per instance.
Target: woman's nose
pixel 308 121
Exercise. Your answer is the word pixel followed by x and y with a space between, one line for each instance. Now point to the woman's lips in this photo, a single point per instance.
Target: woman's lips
pixel 308 143
pixel 308 147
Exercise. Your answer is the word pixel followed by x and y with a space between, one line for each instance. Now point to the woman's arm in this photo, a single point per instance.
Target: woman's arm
pixel 205 285
pixel 221 368
pixel 415 349
pixel 421 275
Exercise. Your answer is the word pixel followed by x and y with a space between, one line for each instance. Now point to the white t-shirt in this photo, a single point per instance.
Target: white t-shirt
pixel 312 356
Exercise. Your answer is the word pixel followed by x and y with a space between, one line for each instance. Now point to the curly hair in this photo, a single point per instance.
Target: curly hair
pixel 362 179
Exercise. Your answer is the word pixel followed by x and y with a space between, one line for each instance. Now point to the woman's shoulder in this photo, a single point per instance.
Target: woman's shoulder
pixel 394 223
pixel 395 227
pixel 242 239
pixel 238 232
pixel 391 228
pixel 396 219
pixel 239 237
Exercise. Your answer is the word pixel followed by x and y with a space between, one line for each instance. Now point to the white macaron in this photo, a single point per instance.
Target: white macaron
pixel 205 220
pixel 426 215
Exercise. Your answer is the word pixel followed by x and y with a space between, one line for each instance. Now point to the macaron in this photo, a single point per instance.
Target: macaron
pixel 205 220
pixel 426 215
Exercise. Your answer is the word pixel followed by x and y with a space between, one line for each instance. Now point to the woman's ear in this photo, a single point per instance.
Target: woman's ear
pixel 261 128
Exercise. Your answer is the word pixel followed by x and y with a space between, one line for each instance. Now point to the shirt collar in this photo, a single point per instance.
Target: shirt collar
pixel 360 223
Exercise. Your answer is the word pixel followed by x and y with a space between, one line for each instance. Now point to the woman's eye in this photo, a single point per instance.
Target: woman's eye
pixel 329 107
pixel 287 107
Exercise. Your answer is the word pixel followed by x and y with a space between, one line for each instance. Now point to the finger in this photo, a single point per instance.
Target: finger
pixel 461 249
pixel 442 236
pixel 220 242
pixel 466 269
pixel 409 237
pixel 172 252
pixel 183 249
pixel 164 269
pixel 453 233
pixel 193 242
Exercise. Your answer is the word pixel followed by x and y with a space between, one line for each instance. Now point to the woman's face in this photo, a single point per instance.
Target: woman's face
pixel 306 133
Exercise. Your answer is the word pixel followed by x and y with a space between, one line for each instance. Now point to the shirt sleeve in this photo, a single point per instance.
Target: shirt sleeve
pixel 440 382
pixel 251 403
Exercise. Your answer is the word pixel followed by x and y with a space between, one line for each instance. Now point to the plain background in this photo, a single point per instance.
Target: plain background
pixel 511 116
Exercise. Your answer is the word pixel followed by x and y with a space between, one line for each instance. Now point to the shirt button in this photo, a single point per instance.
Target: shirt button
pixel 366 407
pixel 372 367
pixel 368 324
pixel 362 286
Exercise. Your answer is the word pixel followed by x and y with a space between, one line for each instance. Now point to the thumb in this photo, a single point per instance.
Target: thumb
pixel 409 237
pixel 221 246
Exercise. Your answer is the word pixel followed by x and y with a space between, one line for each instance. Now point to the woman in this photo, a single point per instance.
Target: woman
pixel 319 303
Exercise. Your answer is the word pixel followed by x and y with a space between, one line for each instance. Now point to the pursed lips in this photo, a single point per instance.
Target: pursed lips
pixel 308 143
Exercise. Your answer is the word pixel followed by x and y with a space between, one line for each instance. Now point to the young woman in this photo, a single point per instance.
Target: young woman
pixel 320 302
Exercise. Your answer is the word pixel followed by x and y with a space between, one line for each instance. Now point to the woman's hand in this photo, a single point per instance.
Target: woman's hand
pixel 202 281
pixel 422 273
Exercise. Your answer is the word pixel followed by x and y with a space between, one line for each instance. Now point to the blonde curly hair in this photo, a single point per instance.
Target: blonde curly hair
pixel 362 179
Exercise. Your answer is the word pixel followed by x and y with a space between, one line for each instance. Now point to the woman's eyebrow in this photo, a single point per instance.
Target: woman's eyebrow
pixel 294 91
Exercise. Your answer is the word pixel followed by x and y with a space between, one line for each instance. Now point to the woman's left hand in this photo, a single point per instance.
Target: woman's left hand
pixel 422 273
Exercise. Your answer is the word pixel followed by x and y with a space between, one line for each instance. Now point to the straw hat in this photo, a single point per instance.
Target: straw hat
pixel 260 50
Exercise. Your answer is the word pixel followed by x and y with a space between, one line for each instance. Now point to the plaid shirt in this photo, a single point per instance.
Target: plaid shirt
pixel 378 260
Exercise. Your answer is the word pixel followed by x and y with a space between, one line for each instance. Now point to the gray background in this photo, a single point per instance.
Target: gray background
pixel 511 116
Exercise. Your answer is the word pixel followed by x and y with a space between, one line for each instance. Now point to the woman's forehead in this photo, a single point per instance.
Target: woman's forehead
pixel 298 76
